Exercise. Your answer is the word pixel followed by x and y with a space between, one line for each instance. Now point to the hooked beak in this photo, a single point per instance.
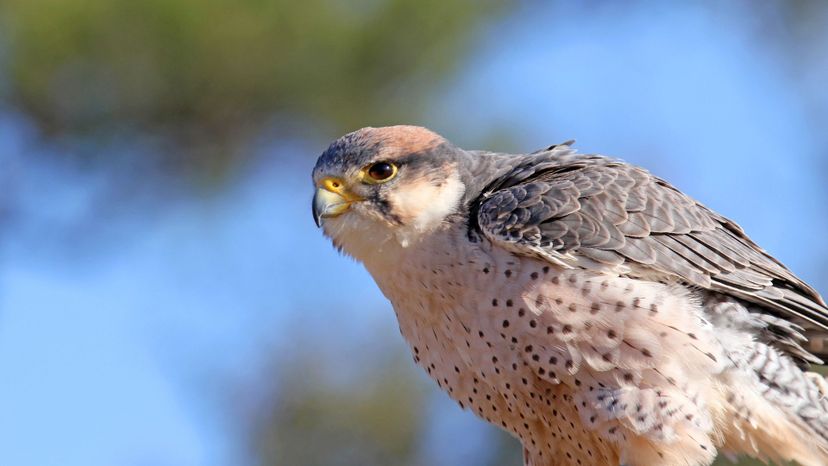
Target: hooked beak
pixel 327 204
pixel 330 200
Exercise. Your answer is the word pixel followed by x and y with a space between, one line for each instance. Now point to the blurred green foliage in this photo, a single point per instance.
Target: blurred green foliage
pixel 319 421
pixel 216 70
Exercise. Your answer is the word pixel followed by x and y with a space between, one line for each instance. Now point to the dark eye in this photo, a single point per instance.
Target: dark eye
pixel 381 171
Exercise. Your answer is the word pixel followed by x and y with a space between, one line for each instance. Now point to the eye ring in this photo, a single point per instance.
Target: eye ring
pixel 379 172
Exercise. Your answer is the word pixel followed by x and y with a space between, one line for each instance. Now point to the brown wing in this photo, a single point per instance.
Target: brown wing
pixel 616 214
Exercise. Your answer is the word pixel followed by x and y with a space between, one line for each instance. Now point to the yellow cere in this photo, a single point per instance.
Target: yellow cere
pixel 334 185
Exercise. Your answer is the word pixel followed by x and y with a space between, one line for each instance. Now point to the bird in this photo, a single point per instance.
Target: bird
pixel 580 303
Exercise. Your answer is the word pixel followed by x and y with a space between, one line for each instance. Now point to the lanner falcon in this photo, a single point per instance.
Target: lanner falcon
pixel 589 308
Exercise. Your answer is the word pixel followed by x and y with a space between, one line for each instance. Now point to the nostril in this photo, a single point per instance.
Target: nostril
pixel 335 184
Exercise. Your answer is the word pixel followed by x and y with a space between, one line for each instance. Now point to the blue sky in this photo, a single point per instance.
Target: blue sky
pixel 120 347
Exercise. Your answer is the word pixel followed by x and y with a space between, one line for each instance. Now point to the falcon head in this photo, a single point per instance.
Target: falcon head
pixel 377 185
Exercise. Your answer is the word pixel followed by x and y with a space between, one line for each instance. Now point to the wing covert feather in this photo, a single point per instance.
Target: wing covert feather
pixel 619 215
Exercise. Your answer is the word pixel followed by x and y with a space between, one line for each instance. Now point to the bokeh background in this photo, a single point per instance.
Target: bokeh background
pixel 165 299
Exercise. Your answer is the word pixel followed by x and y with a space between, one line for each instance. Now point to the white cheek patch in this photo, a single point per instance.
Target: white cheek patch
pixel 422 206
